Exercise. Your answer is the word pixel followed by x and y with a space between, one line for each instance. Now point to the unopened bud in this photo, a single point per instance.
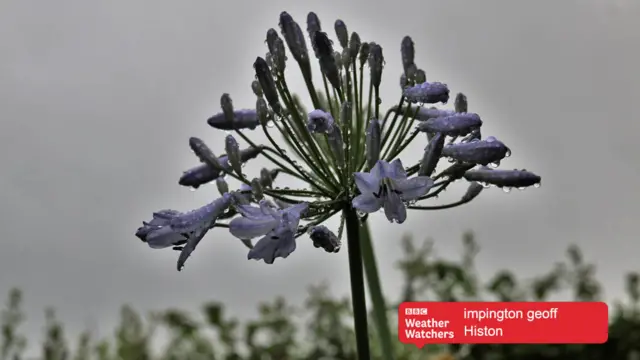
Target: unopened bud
pixel 373 143
pixel 272 36
pixel 456 124
pixel 431 155
pixel 256 189
pixel 336 143
pixel 250 153
pixel 407 51
pixel 403 82
pixel 428 93
pixel 267 84
pixel 204 153
pixel 376 63
pixel 504 178
pixel 346 112
pixel 456 171
pixel 473 191
pixel 294 37
pixel 420 76
pixel 222 185
pixel 338 59
pixel 460 103
pixel 342 33
pixel 354 46
pixel 313 23
pixel 262 111
pixel 323 44
pixel 227 108
pixel 346 58
pixel 255 87
pixel 324 238
pixel 279 55
pixel 365 48
pixel 265 178
pixel 483 152
pixel 242 119
pixel 233 154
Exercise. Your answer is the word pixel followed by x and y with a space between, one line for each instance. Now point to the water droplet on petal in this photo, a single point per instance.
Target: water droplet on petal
pixel 506 189
pixel 495 164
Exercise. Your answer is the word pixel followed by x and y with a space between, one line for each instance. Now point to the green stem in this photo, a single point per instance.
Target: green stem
pixel 376 294
pixel 358 299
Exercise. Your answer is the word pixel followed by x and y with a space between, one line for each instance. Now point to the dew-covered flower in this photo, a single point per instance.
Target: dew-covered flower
pixel 276 227
pixel 338 141
pixel 387 186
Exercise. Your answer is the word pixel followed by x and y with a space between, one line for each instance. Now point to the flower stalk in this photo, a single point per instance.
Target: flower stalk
pixel 347 157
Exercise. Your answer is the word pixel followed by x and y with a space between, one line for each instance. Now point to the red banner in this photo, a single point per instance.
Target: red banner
pixel 422 323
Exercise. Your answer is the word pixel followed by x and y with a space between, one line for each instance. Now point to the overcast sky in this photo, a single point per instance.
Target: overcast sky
pixel 98 100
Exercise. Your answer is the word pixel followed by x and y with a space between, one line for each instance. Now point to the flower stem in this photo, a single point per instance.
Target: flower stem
pixel 358 299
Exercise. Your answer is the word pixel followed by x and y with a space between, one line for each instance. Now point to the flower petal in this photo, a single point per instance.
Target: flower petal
pixel 248 228
pixel 252 212
pixel 296 211
pixel 394 208
pixel 367 183
pixel 367 203
pixel 413 188
pixel 278 243
pixel 395 170
pixel 164 237
pixel 192 242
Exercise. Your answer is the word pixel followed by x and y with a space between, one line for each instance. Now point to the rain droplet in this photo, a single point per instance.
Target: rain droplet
pixel 485 185
pixel 537 185
pixel 490 139
pixel 495 164
pixel 227 132
pixel 506 189
pixel 521 188
pixel 270 124
pixel 192 189
pixel 451 160
pixel 508 153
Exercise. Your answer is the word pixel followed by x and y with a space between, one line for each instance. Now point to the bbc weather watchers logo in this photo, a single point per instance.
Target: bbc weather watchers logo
pixel 415 311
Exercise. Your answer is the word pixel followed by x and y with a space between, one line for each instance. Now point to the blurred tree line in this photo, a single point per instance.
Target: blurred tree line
pixel 320 328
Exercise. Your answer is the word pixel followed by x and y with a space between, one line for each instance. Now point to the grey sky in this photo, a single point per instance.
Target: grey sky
pixel 98 100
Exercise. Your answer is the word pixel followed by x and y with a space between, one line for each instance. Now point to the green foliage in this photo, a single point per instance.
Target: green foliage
pixel 321 328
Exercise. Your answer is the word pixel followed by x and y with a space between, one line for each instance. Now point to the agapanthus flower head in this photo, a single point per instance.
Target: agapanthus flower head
pixel 335 141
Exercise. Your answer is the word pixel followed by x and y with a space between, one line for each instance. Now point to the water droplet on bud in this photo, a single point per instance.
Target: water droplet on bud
pixel 537 185
pixel 506 189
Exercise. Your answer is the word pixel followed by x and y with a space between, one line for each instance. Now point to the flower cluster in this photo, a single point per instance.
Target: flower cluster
pixel 343 150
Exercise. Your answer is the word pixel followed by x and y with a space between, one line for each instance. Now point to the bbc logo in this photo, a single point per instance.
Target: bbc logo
pixel 415 311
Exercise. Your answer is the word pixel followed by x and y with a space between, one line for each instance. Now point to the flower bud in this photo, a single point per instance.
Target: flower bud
pixel 255 87
pixel 420 76
pixel 328 63
pixel 346 58
pixel 456 171
pixel 242 119
pixel 320 121
pixel 354 46
pixel 373 143
pixel 324 238
pixel 473 191
pixel 336 143
pixel 294 37
pixel 227 108
pixel 338 59
pixel 272 36
pixel 457 124
pixel 279 55
pixel 267 84
pixel 376 63
pixel 266 180
pixel 428 93
pixel 205 154
pixel 460 104
pixel 365 48
pixel 256 189
pixel 222 185
pixel 313 23
pixel 262 111
pixel 323 43
pixel 403 82
pixel 342 33
pixel 250 153
pixel 408 53
pixel 431 155
pixel 481 152
pixel 504 178
pixel 233 154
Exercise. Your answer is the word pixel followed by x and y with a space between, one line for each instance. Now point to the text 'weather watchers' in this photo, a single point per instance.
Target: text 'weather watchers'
pixel 423 323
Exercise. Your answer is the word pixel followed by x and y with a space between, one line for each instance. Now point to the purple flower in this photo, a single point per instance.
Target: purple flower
pixel 481 152
pixel 277 227
pixel 503 178
pixel 320 122
pixel 388 187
